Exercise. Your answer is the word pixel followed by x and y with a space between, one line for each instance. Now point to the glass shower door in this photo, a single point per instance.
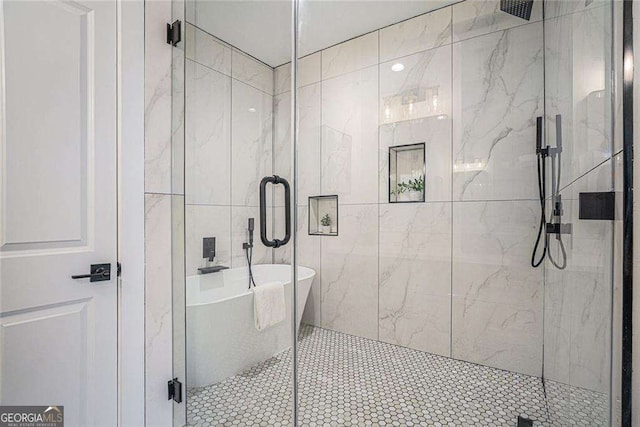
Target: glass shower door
pixel 236 135
pixel 579 63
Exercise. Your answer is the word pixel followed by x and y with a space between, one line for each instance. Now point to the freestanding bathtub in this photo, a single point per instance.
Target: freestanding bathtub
pixel 222 340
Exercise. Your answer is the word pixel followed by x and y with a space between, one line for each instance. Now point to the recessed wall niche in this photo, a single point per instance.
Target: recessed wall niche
pixel 407 172
pixel 323 215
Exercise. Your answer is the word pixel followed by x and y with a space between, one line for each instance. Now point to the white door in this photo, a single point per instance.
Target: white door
pixel 58 335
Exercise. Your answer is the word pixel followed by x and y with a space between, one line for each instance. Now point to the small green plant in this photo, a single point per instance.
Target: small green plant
pixel 325 221
pixel 416 184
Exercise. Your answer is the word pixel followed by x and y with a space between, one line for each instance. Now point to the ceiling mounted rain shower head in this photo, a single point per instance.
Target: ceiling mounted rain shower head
pixel 519 8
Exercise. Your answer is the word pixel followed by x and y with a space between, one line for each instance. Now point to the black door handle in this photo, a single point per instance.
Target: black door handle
pixel 275 179
pixel 99 273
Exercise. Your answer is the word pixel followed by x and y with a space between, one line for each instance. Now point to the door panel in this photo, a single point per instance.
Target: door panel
pixel 47 80
pixel 58 207
pixel 64 327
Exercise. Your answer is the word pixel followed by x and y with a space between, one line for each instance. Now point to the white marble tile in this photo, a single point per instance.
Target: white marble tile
pixel 308 256
pixel 240 235
pixel 586 308
pixel 308 73
pixel 177 123
pixel 350 273
pixel 415 276
pixel 554 8
pixel 497 335
pixel 427 76
pixel 416 34
pixel 498 296
pixel 208 142
pixel 158 304
pixel 207 50
pixel 350 136
pixel 557 326
pixel 436 134
pixel 350 56
pixel 178 295
pixel 251 143
pixel 158 92
pixel 578 87
pixel 497 95
pixel 478 17
pixel 282 142
pixel 309 70
pixel 421 89
pixel 207 221
pixel 309 142
pixel 308 146
pixel 252 72
pixel 282 79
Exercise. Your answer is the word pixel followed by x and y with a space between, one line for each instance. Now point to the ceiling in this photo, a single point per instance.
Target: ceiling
pixel 262 28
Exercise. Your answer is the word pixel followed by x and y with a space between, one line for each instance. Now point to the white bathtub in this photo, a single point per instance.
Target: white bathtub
pixel 222 340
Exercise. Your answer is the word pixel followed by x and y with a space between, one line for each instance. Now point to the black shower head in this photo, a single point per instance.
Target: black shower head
pixel 519 8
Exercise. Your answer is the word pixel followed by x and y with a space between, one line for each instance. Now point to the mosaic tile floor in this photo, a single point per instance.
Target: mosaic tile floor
pixel 351 381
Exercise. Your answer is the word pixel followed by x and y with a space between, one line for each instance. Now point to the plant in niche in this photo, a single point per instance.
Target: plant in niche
pixel 415 185
pixel 325 221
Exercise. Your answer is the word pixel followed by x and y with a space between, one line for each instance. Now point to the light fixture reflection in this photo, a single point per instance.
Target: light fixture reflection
pixel 397 67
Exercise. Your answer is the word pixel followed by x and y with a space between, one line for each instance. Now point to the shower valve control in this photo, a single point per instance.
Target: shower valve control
pixel 558 228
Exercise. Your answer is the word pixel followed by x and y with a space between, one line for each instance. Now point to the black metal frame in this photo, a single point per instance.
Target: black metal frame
pixel 424 171
pixel 329 196
pixel 275 180
pixel 627 225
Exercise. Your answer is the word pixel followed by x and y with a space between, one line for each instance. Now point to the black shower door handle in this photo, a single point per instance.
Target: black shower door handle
pixel 275 180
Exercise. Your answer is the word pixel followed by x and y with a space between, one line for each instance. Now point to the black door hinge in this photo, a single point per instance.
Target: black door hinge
pixel 524 421
pixel 174 33
pixel 175 390
pixel 119 269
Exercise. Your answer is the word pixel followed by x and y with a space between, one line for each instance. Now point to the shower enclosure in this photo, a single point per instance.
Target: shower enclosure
pixel 428 146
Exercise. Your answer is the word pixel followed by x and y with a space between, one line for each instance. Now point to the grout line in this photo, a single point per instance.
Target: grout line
pixel 451 241
pixel 228 45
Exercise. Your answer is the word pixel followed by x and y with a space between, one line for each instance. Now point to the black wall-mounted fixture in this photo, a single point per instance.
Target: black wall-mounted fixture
pixel 519 8
pixel 275 180
pixel 555 225
pixel 209 252
pixel 598 206
pixel 174 33
pixel 209 248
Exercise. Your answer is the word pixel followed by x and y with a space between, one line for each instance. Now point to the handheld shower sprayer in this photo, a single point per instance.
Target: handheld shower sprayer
pixel 248 247
pixel 555 226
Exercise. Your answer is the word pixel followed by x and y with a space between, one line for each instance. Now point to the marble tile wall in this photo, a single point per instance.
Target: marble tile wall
pixel 453 274
pixel 578 299
pixel 229 139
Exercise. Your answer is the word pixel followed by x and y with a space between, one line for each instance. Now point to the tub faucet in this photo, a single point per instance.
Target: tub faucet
pixel 209 248
pixel 209 253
